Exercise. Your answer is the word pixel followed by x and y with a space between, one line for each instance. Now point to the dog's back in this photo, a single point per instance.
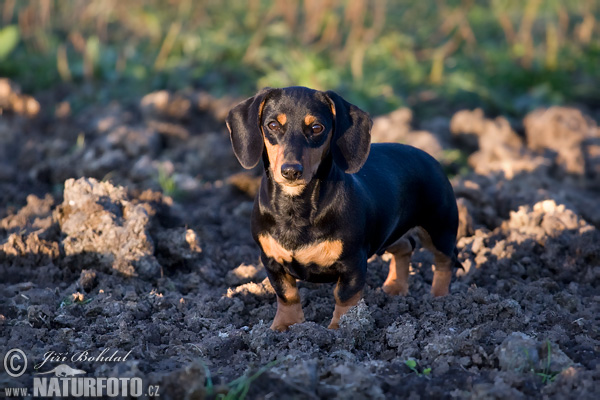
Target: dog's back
pixel 406 187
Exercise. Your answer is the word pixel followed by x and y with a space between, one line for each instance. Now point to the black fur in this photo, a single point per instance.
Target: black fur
pixel 243 122
pixel 352 135
pixel 365 195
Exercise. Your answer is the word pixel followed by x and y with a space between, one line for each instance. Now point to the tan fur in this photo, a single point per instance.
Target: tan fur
pixel 290 290
pixel 289 311
pixel 441 282
pixel 342 308
pixel 397 279
pixel 442 273
pixel 292 190
pixel 282 119
pixel 324 253
pixel 276 160
pixel 311 159
pixel 275 155
pixel 273 249
pixel 309 119
pixel 287 315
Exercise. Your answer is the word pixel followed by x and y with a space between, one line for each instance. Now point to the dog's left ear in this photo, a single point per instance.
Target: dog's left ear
pixel 243 122
pixel 352 134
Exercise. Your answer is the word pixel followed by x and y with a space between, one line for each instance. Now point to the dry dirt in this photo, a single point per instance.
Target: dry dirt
pixel 94 256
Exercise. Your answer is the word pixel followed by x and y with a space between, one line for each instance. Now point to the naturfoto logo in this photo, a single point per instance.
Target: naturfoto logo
pixel 64 380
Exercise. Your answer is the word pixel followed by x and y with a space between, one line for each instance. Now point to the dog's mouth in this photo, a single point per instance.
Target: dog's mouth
pixel 294 183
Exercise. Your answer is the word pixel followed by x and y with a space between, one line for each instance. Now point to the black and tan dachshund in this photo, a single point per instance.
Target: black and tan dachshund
pixel 329 199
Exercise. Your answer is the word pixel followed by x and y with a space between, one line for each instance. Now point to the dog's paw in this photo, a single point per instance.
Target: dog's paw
pixel 282 327
pixel 279 327
pixel 334 325
pixel 395 288
pixel 439 291
pixel 286 316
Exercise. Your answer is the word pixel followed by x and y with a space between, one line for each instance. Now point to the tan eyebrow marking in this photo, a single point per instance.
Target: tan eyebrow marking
pixel 281 118
pixel 309 119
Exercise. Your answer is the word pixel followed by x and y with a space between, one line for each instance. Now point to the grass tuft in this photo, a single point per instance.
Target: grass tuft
pixel 412 365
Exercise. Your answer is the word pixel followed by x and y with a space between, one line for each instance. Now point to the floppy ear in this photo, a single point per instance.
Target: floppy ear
pixel 352 135
pixel 243 122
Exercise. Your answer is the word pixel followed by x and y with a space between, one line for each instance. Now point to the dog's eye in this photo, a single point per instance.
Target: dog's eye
pixel 317 128
pixel 273 125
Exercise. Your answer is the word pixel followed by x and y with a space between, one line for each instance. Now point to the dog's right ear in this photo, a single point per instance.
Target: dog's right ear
pixel 243 122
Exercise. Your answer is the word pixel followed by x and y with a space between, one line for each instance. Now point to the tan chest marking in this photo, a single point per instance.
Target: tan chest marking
pixel 274 250
pixel 324 253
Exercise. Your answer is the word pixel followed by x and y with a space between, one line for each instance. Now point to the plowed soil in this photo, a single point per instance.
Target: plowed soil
pixel 127 228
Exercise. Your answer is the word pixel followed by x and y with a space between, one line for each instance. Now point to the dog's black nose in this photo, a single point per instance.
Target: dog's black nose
pixel 291 172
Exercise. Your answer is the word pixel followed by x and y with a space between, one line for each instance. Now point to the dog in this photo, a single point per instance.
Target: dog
pixel 329 199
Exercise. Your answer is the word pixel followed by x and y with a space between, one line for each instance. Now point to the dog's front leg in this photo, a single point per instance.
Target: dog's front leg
pixel 289 308
pixel 348 292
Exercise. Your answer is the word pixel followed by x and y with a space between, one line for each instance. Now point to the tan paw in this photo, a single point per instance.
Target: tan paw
pixel 441 283
pixel 279 327
pixel 395 288
pixel 286 316
pixel 439 291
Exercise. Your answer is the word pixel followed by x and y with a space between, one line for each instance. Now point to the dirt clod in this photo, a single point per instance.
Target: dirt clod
pixel 562 130
pixel 104 228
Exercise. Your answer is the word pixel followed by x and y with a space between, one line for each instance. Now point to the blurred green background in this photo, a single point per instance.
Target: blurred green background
pixel 507 56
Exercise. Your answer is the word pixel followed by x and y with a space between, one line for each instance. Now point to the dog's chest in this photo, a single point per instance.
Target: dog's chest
pixel 323 253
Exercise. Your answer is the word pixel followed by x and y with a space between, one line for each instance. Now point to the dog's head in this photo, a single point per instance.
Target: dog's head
pixel 298 128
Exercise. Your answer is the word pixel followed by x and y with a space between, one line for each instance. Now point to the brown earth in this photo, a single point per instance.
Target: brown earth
pixel 94 256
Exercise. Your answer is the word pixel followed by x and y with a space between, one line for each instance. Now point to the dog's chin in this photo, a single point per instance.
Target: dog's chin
pixel 293 188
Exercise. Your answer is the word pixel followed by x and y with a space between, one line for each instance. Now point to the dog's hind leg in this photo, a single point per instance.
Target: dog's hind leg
pixel 442 273
pixel 397 279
